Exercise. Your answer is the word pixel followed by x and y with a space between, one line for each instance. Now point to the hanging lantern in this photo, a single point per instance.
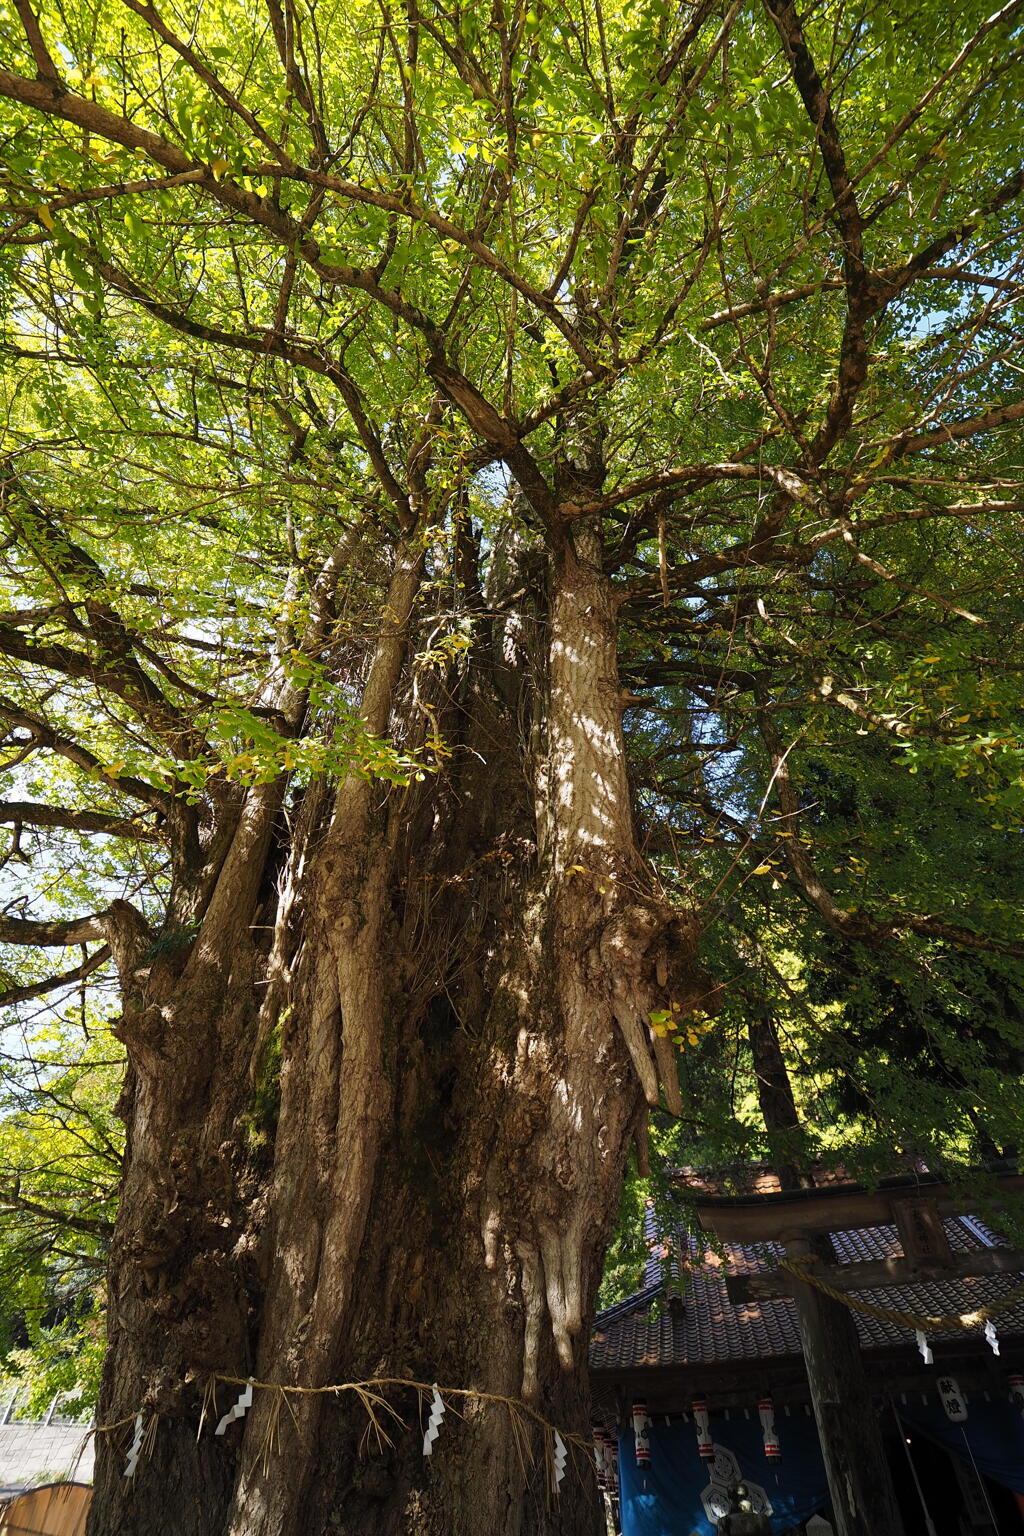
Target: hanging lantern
pixel 604 1456
pixel 641 1433
pixel 602 1476
pixel 952 1399
pixel 1016 1385
pixel 702 1423
pixel 766 1411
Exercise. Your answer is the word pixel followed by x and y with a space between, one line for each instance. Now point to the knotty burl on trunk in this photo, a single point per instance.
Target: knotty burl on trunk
pixel 391 1144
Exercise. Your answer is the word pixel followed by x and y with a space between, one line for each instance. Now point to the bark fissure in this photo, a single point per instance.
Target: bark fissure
pixel 449 1022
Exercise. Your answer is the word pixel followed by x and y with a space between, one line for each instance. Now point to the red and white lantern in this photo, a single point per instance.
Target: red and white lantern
pixel 766 1411
pixel 641 1434
pixel 604 1456
pixel 702 1424
pixel 612 1447
pixel 602 1476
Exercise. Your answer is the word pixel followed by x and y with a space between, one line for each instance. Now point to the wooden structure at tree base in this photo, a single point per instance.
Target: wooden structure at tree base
pixel 59 1509
pixel 736 1323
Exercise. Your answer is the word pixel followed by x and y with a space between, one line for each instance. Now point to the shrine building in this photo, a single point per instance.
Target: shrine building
pixel 854 1356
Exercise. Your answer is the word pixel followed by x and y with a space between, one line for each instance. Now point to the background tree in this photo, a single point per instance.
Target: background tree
pixel 61 1149
pixel 396 401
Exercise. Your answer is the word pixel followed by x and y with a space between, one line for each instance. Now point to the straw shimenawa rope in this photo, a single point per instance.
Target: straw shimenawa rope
pixel 376 1405
pixel 800 1267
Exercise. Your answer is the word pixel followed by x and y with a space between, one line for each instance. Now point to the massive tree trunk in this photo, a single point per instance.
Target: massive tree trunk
pixel 403 1162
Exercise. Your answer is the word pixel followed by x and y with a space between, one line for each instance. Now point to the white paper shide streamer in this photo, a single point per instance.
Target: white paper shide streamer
pixel 924 1347
pixel 991 1337
pixel 239 1411
pixel 434 1422
pixel 135 1449
pixel 561 1455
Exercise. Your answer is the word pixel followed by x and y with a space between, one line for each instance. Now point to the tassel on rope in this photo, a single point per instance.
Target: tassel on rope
pixel 238 1411
pixel 434 1422
pixel 135 1449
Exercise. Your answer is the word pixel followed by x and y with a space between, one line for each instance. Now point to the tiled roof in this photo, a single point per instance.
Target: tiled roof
pixel 762 1178
pixel 709 1329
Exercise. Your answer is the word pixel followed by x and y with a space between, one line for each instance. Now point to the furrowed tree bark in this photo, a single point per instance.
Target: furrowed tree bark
pixel 492 1134
pixel 177 1304
pixel 185 1293
pixel 452 1045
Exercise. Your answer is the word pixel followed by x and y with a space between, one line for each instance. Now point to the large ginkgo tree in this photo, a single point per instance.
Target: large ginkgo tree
pixel 468 477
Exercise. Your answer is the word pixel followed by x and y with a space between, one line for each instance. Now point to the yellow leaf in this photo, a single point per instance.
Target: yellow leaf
pixel 76 76
pixel 45 217
pixel 218 167
pixel 763 869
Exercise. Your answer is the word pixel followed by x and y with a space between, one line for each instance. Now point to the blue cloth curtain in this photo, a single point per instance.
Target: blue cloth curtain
pixel 993 1433
pixel 664 1499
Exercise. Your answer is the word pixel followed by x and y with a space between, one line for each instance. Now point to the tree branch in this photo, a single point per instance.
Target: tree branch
pixel 956 431
pixel 57 934
pixel 46 737
pixel 92 1226
pixel 28 813
pixel 859 926
pixel 24 994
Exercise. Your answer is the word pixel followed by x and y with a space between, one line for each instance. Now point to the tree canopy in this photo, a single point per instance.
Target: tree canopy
pixel 329 329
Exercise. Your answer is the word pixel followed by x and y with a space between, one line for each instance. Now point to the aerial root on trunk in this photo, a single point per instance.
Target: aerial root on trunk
pixel 665 1057
pixel 532 1283
pixel 561 1253
pixel 649 951
pixel 637 1038
pixel 551 1279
